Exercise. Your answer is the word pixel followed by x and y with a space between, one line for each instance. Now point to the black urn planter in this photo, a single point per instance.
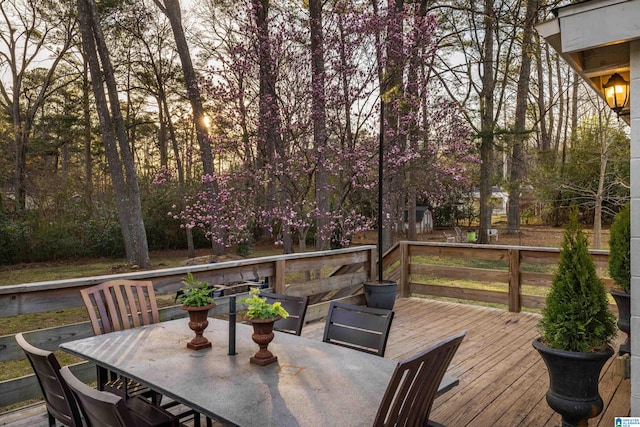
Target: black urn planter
pixel 380 293
pixel 573 382
pixel 623 301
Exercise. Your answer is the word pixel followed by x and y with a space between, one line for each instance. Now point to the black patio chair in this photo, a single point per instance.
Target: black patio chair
pixel 414 385
pixel 358 327
pixel 58 398
pixel 295 306
pixel 104 409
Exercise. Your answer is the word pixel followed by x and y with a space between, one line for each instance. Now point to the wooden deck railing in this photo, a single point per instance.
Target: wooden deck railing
pixel 322 276
pixel 517 276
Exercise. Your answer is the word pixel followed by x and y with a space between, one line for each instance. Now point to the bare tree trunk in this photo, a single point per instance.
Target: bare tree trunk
pixel 249 157
pixel 604 159
pixel 486 123
pixel 414 102
pixel 179 166
pixel 118 154
pixel 163 147
pixel 348 132
pixel 551 123
pixel 522 96
pixel 269 125
pixel 88 158
pixel 171 9
pixel 545 136
pixel 392 90
pixel 561 101
pixel 319 123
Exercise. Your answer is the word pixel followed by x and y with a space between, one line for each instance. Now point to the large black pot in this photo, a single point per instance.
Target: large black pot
pixel 573 382
pixel 623 301
pixel 380 293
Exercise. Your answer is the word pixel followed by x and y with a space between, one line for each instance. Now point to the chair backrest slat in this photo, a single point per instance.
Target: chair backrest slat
pixel 120 304
pixel 414 385
pixel 295 306
pixel 58 397
pixel 366 341
pixel 361 328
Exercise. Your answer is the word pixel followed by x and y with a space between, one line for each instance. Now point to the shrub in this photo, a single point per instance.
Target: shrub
pixel 15 236
pixel 102 235
pixel 620 249
pixel 577 315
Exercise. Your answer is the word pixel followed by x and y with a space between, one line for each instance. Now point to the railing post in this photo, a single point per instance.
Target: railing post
pixel 404 270
pixel 370 265
pixel 280 274
pixel 514 281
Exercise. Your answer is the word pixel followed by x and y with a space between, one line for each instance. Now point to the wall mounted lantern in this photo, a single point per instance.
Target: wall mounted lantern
pixel 616 92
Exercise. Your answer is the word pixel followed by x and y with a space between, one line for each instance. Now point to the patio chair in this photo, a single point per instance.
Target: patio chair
pixel 449 238
pixel 124 304
pixel 114 306
pixel 295 306
pixel 58 398
pixel 414 384
pixel 361 328
pixel 120 304
pixel 104 409
pixel 460 236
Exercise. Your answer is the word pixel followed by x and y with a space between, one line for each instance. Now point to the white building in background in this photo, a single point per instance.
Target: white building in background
pixel 424 220
pixel 499 200
pixel 599 38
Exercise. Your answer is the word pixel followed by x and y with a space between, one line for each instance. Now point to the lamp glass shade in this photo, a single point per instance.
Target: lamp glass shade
pixel 616 92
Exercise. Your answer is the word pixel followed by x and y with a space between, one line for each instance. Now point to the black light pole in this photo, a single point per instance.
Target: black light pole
pixel 380 201
pixel 380 293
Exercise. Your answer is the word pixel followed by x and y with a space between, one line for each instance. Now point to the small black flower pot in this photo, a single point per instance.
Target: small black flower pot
pixel 573 382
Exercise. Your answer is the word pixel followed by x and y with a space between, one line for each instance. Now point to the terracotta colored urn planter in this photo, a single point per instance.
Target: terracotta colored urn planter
pixel 198 323
pixel 263 335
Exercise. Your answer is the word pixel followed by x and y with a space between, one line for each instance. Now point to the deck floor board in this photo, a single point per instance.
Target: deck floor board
pixel 503 380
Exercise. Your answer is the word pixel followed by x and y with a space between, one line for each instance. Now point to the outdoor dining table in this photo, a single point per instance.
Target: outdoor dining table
pixel 312 384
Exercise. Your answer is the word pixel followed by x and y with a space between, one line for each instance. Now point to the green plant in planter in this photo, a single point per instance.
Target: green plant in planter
pixel 195 293
pixel 620 272
pixel 620 250
pixel 259 308
pixel 577 316
pixel 577 328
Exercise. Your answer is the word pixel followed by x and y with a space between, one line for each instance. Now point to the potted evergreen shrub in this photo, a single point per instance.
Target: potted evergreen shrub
pixel 620 272
pixel 196 299
pixel 576 332
pixel 262 316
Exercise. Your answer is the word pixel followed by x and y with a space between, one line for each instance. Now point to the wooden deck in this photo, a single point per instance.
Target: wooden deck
pixel 502 378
